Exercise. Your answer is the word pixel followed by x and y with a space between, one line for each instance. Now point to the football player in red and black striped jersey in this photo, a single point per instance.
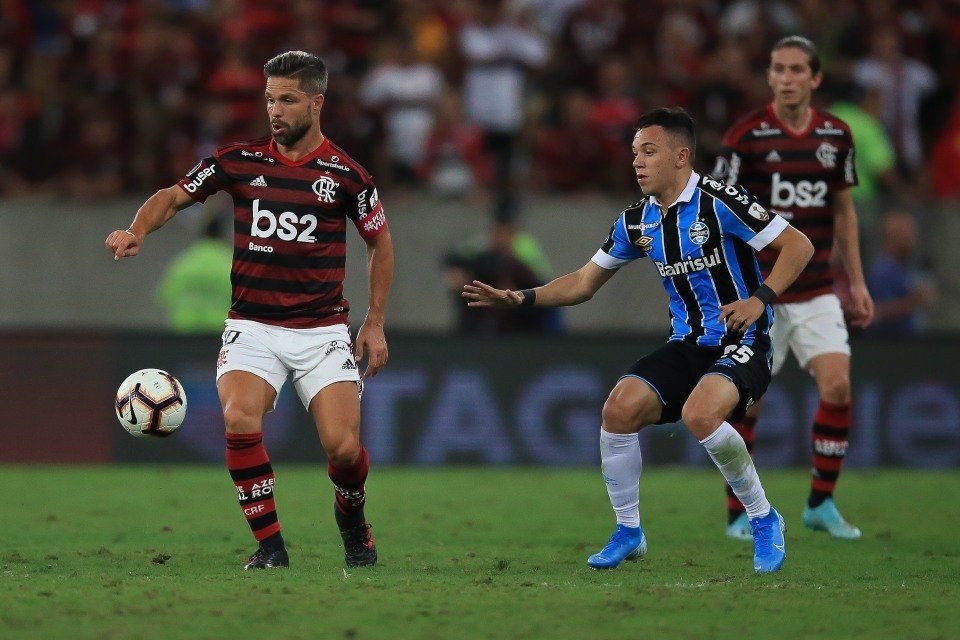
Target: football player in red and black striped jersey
pixel 293 193
pixel 799 162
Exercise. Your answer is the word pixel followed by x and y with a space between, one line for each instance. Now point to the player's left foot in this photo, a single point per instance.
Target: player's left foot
pixel 827 518
pixel 740 528
pixel 626 543
pixel 769 547
pixel 358 546
pixel 268 557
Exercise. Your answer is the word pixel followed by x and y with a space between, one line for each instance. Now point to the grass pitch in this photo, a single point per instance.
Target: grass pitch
pixel 156 552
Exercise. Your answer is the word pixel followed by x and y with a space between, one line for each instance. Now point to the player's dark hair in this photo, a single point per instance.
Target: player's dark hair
pixel 674 120
pixel 804 44
pixel 309 70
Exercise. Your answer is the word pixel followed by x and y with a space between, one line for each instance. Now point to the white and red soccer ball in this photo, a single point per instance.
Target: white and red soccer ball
pixel 151 403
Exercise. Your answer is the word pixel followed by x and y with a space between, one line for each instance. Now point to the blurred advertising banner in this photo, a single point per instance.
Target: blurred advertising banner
pixel 451 400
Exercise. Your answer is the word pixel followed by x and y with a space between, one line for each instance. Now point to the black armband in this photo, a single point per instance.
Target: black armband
pixel 765 294
pixel 529 297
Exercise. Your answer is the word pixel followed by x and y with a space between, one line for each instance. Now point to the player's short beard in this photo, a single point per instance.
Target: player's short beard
pixel 293 134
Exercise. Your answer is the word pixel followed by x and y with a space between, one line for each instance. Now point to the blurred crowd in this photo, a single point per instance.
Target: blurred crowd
pixel 104 97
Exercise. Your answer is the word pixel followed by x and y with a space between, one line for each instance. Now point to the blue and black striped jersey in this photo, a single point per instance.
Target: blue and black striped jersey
pixel 704 248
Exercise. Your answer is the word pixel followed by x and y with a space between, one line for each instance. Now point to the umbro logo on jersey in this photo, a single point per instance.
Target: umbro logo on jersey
pixel 773 156
pixel 259 181
pixel 644 242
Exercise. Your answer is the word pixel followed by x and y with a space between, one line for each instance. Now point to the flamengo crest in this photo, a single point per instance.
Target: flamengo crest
pixel 325 188
pixel 827 155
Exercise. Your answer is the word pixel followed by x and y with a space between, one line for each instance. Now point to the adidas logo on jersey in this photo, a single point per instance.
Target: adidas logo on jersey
pixel 773 156
pixel 259 181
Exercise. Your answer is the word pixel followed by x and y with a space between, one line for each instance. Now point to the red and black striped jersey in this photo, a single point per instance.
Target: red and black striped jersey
pixel 290 232
pixel 795 174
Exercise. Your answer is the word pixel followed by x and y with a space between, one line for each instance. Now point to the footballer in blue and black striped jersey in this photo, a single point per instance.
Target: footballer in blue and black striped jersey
pixel 703 247
pixel 717 361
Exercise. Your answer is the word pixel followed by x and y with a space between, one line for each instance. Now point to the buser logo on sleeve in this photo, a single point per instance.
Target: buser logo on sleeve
pixel 194 184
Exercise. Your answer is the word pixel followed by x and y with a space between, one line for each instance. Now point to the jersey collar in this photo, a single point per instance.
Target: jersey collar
pixel 316 153
pixel 787 130
pixel 686 195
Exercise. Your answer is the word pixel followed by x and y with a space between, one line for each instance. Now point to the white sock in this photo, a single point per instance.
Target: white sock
pixel 729 453
pixel 621 464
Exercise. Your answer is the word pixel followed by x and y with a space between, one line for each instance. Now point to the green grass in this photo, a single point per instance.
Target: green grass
pixel 156 552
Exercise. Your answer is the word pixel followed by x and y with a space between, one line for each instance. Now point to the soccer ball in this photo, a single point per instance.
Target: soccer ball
pixel 151 403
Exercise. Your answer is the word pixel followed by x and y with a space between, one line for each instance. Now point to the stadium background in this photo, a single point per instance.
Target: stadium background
pixel 102 102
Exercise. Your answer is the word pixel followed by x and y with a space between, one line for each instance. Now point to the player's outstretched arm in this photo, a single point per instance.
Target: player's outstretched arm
pixel 570 289
pixel 155 212
pixel 795 251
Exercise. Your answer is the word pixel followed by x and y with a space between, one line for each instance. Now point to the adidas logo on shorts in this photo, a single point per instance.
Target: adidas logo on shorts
pixel 349 364
pixel 259 181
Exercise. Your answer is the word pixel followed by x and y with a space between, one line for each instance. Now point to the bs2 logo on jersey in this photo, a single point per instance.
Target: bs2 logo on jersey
pixel 802 193
pixel 285 226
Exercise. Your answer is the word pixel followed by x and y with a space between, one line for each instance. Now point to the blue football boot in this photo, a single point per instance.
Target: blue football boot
pixel 626 543
pixel 769 547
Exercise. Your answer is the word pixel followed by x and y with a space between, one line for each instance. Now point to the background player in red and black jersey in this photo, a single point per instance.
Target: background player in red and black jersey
pixel 799 162
pixel 293 193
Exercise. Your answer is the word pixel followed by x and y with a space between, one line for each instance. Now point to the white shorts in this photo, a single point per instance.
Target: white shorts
pixel 809 329
pixel 314 357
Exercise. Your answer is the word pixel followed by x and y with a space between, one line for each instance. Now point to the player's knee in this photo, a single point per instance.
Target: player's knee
pixel 620 416
pixel 700 418
pixel 239 419
pixel 342 453
pixel 835 388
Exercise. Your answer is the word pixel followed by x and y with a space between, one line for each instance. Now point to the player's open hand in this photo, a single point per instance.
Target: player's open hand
pixel 739 315
pixel 372 345
pixel 480 294
pixel 123 244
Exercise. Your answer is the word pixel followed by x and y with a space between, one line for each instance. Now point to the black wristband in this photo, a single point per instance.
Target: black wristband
pixel 765 294
pixel 529 297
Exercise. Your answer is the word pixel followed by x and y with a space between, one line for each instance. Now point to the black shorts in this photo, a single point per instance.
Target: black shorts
pixel 674 370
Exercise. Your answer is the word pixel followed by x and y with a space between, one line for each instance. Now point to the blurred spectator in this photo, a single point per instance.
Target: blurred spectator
pixel 175 78
pixel 740 17
pixel 613 119
pixel 903 82
pixel 945 158
pixel 345 120
pixel 679 44
pixel 405 90
pixel 728 89
pixel 899 288
pixel 454 162
pixel 195 287
pixel 756 24
pixel 236 86
pixel 569 155
pixel 875 160
pixel 497 54
pixel 590 34
pixel 511 258
pixel 433 26
pixel 96 169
